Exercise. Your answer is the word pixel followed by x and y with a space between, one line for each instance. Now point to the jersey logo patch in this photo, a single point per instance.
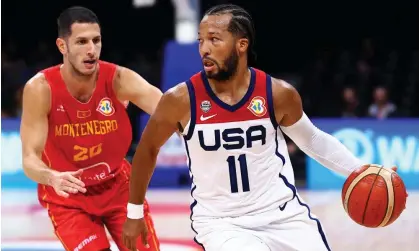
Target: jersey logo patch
pixel 60 108
pixel 205 106
pixel 105 107
pixel 206 118
pixel 257 106
pixel 83 114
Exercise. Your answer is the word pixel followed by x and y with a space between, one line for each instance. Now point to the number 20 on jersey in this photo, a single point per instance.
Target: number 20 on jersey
pixel 85 153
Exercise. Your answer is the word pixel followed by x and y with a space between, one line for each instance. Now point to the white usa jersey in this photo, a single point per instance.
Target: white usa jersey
pixel 237 155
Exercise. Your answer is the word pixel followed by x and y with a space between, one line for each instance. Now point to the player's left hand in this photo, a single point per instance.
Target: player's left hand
pixel 132 230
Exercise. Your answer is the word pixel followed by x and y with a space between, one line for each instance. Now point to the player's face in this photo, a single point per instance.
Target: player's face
pixel 83 48
pixel 217 47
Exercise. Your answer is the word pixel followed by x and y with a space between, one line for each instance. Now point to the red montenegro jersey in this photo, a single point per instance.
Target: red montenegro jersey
pixel 93 136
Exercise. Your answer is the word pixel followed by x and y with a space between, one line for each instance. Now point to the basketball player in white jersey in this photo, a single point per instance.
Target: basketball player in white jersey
pixel 232 118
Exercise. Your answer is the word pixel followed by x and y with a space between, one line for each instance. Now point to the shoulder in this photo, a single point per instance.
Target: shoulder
pixel 124 72
pixel 37 91
pixel 175 101
pixel 287 102
pixel 120 74
pixel 284 92
pixel 38 85
pixel 174 105
pixel 178 93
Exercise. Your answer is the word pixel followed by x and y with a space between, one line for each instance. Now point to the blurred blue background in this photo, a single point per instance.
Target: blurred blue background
pixel 392 142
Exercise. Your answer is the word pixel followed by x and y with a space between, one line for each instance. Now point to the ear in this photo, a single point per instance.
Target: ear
pixel 242 45
pixel 61 45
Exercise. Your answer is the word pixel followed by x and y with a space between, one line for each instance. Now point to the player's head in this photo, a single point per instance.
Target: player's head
pixel 226 37
pixel 79 39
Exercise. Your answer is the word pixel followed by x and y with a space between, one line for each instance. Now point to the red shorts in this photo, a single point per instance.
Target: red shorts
pixel 79 221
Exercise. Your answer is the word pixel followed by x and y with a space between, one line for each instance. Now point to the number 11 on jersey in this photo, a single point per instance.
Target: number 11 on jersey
pixel 231 160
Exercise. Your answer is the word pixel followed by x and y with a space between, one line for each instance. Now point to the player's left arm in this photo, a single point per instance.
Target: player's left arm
pixel 130 86
pixel 322 147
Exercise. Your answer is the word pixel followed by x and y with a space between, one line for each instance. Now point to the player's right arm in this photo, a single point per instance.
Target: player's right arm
pixel 317 144
pixel 172 113
pixel 34 133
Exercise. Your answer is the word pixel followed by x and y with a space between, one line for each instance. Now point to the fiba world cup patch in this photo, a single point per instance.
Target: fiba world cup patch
pixel 257 106
pixel 105 107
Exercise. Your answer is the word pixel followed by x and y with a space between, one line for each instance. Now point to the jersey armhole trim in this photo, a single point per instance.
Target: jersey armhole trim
pixel 192 102
pixel 269 97
pixel 111 79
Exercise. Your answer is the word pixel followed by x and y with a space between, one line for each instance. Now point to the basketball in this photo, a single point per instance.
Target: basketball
pixel 374 196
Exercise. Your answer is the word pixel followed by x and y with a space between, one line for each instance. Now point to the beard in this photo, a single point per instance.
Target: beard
pixel 230 68
pixel 77 71
pixel 72 60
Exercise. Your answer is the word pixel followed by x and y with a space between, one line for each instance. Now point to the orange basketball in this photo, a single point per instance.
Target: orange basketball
pixel 374 196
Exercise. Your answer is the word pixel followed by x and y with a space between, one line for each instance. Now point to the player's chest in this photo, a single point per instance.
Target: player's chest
pixel 99 107
pixel 99 117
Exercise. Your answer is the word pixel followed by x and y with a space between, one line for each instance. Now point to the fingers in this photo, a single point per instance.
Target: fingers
pixel 63 194
pixel 129 242
pixel 144 235
pixel 72 187
pixel 77 173
pixel 73 178
pixel 68 189
pixel 126 241
pixel 76 181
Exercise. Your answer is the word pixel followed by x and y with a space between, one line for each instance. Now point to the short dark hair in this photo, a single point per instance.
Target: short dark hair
pixel 241 23
pixel 76 14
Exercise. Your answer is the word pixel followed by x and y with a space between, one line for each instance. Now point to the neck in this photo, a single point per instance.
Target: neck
pixel 240 79
pixel 76 81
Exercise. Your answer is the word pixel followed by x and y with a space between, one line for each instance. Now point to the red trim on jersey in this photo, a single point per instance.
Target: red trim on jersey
pixel 209 112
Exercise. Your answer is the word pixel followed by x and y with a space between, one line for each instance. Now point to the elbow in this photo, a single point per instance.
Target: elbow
pixel 28 161
pixel 153 151
pixel 25 165
pixel 146 151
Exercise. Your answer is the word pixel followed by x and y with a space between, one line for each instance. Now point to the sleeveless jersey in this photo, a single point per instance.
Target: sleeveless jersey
pixel 93 136
pixel 237 156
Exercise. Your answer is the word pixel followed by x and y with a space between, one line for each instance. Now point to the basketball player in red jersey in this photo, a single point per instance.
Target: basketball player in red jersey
pixel 232 118
pixel 75 134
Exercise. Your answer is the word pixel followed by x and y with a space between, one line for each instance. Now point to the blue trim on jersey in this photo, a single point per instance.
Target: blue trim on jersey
pixel 192 190
pixel 228 107
pixel 294 192
pixel 192 102
pixel 319 226
pixel 270 99
pixel 276 149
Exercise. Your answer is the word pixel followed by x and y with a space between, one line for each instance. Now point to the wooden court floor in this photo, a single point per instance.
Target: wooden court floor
pixel 344 235
pixel 23 219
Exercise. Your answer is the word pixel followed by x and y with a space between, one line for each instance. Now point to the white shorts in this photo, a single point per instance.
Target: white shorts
pixel 291 228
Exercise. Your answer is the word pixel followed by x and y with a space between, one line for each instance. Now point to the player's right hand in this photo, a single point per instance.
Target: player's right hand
pixel 65 183
pixel 134 228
